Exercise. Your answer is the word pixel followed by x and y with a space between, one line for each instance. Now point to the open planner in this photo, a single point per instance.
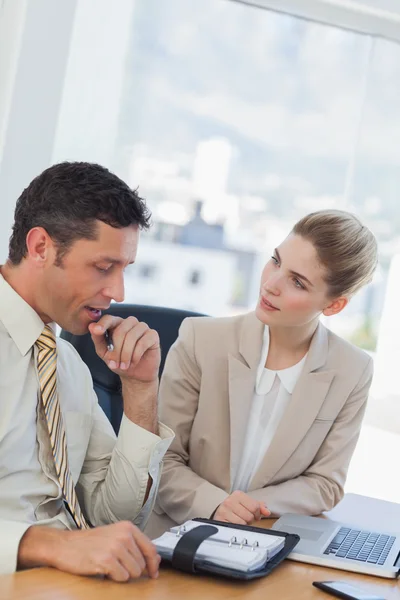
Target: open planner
pixel 222 548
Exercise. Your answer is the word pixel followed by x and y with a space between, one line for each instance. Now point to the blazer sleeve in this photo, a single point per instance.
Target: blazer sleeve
pixel 321 486
pixel 182 493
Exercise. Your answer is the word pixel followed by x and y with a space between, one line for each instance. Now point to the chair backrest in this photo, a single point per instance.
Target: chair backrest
pixel 107 385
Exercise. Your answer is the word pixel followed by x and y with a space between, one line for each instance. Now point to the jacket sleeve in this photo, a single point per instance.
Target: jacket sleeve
pixel 182 493
pixel 321 486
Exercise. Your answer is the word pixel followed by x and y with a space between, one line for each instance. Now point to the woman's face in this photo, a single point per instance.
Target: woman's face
pixel 293 291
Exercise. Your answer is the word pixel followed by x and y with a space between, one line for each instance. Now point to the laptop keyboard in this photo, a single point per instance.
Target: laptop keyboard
pixel 364 546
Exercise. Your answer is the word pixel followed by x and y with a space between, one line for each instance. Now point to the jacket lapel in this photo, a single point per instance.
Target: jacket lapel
pixel 307 398
pixel 242 376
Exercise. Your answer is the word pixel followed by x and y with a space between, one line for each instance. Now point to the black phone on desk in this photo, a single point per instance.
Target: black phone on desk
pixel 346 590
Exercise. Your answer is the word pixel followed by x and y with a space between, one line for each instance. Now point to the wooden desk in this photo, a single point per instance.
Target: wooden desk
pixel 290 581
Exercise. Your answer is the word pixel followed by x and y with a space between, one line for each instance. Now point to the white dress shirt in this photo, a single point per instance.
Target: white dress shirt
pixel 110 473
pixel 272 394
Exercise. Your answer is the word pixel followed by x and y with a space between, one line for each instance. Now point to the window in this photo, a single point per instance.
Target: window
pixel 229 142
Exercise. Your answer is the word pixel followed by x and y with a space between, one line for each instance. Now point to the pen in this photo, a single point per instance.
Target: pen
pixel 110 345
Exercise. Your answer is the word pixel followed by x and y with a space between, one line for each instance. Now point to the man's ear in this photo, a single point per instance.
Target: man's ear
pixel 40 246
pixel 336 306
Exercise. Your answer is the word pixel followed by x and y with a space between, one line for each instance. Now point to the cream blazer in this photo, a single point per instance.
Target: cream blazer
pixel 205 396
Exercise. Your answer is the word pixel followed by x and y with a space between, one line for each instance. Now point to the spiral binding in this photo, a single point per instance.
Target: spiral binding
pixel 232 542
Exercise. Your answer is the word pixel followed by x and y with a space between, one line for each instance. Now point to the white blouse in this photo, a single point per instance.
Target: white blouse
pixel 272 393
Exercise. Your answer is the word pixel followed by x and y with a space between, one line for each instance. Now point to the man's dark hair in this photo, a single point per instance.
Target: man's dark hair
pixel 67 199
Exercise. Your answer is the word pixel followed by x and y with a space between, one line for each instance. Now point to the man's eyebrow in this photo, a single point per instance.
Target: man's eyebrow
pixel 113 261
pixel 298 275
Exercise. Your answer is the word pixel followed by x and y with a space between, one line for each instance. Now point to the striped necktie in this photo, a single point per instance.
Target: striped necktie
pixel 47 370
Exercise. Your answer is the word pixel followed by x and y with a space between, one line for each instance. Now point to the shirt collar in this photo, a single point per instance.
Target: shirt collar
pixel 290 375
pixel 20 320
pixel 287 376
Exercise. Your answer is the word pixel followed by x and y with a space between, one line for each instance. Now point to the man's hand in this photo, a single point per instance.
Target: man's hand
pixel 239 508
pixel 136 359
pixel 136 353
pixel 119 551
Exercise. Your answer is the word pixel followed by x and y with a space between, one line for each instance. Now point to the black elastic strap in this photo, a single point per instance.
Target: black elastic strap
pixel 185 550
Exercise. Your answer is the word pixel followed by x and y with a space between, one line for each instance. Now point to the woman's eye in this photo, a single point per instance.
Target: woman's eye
pixel 298 284
pixel 274 260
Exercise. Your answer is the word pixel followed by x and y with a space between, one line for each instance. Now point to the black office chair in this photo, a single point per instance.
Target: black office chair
pixel 107 385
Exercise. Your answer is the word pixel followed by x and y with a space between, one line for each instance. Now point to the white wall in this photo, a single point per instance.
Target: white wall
pixel 12 19
pixel 48 49
pixel 30 105
pixel 93 110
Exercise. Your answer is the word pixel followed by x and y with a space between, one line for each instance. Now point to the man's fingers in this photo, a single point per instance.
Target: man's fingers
pixel 129 561
pixel 119 335
pixel 157 568
pixel 98 329
pixel 149 552
pixel 106 322
pixel 132 338
pixel 149 341
pixel 116 571
pixel 136 554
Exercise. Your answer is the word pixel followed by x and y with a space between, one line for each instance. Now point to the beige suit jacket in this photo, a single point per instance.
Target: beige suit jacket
pixel 205 396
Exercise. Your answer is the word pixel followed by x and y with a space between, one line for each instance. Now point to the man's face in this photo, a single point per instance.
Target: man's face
pixel 90 276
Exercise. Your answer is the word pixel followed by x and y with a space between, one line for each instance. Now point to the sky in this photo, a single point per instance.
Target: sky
pixel 311 107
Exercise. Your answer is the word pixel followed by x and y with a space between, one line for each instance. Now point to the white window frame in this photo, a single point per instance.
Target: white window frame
pixel 355 15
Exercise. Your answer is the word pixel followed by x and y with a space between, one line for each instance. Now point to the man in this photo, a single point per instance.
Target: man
pixel 69 490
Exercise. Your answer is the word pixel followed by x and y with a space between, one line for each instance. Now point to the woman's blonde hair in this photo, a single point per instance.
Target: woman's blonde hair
pixel 345 247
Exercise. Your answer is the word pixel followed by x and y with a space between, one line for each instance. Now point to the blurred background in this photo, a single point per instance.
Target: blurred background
pixel 234 119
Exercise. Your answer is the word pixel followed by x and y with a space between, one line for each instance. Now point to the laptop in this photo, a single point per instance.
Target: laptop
pixel 332 544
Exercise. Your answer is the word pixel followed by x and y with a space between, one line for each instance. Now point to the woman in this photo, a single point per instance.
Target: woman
pixel 267 406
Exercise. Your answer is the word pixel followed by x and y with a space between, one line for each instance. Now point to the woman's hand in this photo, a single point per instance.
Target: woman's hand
pixel 239 508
